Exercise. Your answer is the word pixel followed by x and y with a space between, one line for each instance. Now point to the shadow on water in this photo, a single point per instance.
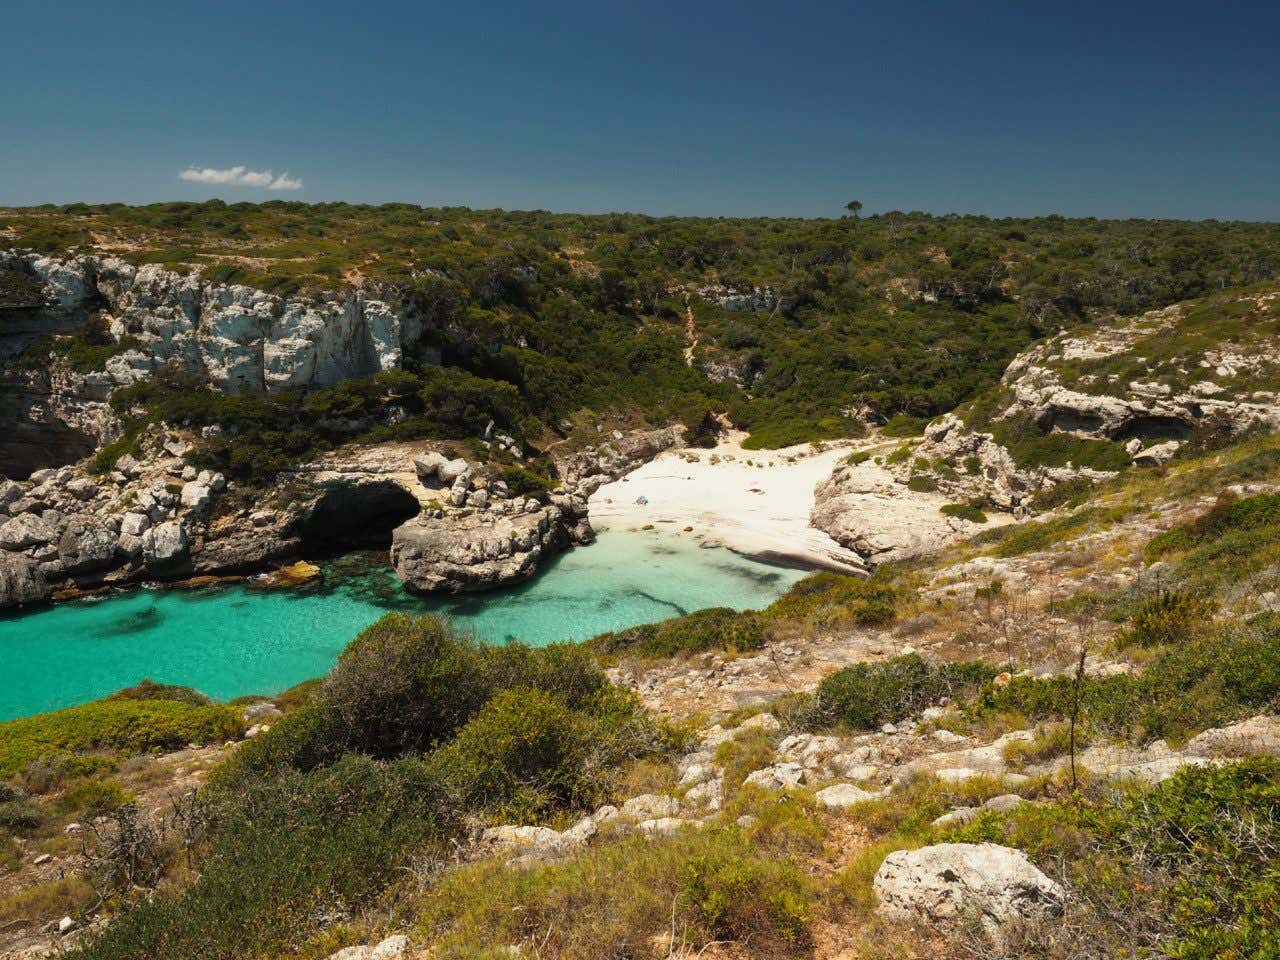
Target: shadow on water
pixel 137 622
pixel 679 610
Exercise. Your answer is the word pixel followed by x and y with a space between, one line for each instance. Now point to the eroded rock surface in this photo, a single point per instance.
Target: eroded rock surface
pixel 950 883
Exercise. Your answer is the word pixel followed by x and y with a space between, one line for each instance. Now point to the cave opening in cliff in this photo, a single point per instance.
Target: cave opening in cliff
pixel 356 516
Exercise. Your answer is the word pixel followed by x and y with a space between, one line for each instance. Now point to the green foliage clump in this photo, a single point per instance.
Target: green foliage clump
pixel 904 425
pixel 921 483
pixel 526 482
pixel 964 511
pixel 737 895
pixel 19 289
pixel 865 695
pixel 526 754
pixel 711 884
pixel 830 599
pixel 415 730
pixel 81 735
pixel 1032 447
pixel 1072 492
pixel 150 690
pixel 1183 869
pixel 1016 539
pixel 1186 687
pixel 1170 616
pixel 281 849
pixel 716 628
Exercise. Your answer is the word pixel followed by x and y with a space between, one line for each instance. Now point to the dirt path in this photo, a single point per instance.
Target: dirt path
pixel 690 334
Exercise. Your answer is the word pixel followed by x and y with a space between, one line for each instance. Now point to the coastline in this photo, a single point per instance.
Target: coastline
pixel 753 502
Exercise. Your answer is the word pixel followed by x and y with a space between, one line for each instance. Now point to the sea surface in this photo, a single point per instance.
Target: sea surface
pixel 232 640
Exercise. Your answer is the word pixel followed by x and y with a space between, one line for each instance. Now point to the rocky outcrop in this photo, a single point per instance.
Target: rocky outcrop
pixel 953 883
pixel 231 338
pixel 585 470
pixel 1147 384
pixel 21 582
pixel 476 548
pixel 234 337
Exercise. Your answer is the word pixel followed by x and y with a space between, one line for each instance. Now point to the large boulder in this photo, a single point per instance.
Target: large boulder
pixel 953 883
pixel 25 530
pixel 165 546
pixel 87 546
pixel 468 550
pixel 20 581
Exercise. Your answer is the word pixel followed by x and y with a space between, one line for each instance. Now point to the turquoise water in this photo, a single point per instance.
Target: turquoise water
pixel 229 641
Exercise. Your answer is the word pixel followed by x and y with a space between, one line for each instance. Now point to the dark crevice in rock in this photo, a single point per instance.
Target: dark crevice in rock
pixel 351 516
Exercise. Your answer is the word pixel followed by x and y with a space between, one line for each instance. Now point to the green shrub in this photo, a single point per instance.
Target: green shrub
pixel 525 753
pixel 284 850
pixel 1073 492
pixel 409 683
pixel 921 483
pixel 1186 687
pixel 20 815
pixel 1171 616
pixel 522 481
pixel 737 895
pixel 716 628
pixel 93 798
pixel 80 735
pixel 830 599
pixel 903 425
pixel 1186 868
pixel 964 511
pixel 866 695
pixel 150 690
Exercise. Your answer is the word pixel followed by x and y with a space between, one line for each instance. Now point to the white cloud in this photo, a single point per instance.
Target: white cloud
pixel 241 177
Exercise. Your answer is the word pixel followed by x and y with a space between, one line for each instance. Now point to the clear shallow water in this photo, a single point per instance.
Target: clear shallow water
pixel 229 641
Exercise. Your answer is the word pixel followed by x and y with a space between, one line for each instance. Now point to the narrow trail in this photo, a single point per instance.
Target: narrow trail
pixel 690 334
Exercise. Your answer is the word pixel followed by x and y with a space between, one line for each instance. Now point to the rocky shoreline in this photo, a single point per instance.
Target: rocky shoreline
pixel 450 524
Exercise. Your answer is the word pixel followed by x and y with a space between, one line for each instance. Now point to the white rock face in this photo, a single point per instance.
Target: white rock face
pixel 237 338
pixel 25 530
pixel 165 544
pixel 844 795
pixel 1257 736
pixel 949 883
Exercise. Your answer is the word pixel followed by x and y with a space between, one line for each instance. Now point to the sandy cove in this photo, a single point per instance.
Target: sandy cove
pixel 754 502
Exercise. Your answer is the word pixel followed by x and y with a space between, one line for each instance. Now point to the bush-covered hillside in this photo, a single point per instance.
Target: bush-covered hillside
pixel 804 323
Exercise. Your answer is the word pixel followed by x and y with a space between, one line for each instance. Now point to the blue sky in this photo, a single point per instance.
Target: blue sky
pixel 1112 109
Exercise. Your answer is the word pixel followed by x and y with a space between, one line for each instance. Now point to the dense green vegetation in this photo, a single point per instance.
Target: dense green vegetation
pixel 716 628
pixel 1187 869
pixel 865 695
pixel 414 730
pixel 895 314
pixel 86 737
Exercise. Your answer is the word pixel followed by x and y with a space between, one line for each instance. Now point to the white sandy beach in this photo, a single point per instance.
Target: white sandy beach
pixel 755 502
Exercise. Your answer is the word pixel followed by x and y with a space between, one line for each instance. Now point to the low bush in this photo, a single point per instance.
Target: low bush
pixel 1186 869
pixel 612 898
pixel 826 600
pixel 964 511
pixel 865 695
pixel 903 425
pixel 1187 687
pixel 1171 616
pixel 921 483
pixel 283 850
pixel 716 628
pixel 86 736
pixel 525 753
